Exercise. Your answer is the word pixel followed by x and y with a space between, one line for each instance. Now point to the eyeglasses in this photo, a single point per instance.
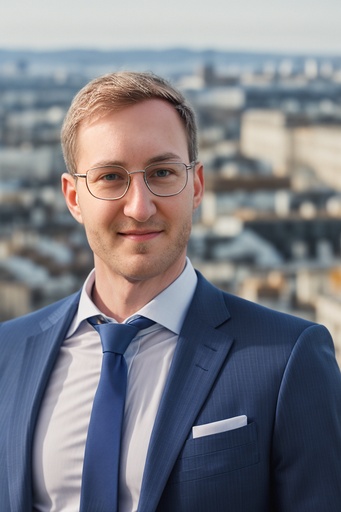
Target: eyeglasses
pixel 111 182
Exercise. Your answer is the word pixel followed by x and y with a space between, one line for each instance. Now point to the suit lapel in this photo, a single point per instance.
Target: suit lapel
pixel 39 352
pixel 200 353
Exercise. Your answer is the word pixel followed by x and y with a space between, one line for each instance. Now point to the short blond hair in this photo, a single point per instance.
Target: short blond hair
pixel 114 91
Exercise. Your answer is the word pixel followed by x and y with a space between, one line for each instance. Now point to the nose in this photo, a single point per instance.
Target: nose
pixel 139 201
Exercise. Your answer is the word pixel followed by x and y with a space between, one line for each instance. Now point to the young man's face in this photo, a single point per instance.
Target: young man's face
pixel 140 236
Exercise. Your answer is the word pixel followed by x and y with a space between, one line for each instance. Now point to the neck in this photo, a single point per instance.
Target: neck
pixel 119 297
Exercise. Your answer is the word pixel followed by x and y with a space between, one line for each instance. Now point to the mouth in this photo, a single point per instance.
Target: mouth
pixel 139 236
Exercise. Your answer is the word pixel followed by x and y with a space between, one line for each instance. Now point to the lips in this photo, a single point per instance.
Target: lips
pixel 139 236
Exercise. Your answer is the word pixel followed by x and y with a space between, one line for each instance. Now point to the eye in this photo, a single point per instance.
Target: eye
pixel 108 174
pixel 162 173
pixel 111 177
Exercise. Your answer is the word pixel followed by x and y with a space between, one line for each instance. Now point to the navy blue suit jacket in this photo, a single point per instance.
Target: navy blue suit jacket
pixel 233 358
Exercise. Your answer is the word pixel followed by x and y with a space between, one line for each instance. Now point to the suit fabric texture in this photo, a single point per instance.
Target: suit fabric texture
pixel 233 358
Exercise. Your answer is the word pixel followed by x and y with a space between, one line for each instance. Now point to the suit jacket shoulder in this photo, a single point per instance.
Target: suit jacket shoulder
pixel 209 301
pixel 42 318
pixel 27 340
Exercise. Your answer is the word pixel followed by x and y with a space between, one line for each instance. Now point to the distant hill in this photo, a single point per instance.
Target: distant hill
pixel 170 61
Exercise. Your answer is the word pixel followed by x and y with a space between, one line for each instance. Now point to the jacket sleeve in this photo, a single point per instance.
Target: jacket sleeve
pixel 307 433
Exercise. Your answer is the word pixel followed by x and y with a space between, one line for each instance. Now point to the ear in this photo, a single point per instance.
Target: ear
pixel 199 185
pixel 71 197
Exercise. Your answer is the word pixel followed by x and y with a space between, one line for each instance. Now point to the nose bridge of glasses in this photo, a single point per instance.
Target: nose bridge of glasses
pixel 130 173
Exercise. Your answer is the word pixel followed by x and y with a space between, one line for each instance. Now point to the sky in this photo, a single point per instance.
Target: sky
pixel 309 26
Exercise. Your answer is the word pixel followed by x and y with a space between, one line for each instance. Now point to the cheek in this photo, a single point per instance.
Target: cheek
pixel 182 215
pixel 188 203
pixel 96 212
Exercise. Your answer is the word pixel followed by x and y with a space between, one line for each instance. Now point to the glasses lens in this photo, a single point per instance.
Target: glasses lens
pixel 166 179
pixel 107 182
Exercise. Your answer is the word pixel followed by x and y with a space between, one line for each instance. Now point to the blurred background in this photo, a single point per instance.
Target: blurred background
pixel 265 80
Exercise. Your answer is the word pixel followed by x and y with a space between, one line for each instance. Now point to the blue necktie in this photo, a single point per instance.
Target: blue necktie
pixel 100 477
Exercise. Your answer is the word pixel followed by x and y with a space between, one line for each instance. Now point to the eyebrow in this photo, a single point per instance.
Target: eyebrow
pixel 164 157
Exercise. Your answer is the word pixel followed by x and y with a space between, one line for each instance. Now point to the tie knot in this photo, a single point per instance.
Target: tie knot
pixel 116 337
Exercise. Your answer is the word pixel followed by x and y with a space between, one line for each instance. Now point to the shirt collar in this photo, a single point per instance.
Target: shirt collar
pixel 168 309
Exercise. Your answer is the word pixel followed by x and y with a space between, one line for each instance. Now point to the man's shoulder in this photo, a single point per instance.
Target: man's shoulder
pixel 47 314
pixel 251 324
pixel 245 310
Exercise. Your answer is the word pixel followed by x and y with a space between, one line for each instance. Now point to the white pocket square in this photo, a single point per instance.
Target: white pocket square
pixel 219 426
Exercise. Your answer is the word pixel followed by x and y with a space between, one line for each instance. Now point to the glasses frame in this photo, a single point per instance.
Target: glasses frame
pixel 188 167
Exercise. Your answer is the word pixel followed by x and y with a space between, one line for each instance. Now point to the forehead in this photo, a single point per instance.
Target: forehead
pixel 149 126
pixel 147 108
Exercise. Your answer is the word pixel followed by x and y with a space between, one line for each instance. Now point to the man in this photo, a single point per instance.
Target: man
pixel 229 407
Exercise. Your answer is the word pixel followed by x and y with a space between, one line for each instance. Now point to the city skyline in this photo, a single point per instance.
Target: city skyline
pixel 282 25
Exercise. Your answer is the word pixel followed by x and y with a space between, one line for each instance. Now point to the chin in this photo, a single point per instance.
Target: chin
pixel 143 271
pixel 137 270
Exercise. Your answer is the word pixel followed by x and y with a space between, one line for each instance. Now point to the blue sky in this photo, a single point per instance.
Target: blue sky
pixel 280 25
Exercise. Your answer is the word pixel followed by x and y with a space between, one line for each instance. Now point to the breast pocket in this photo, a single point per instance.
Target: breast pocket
pixel 217 454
